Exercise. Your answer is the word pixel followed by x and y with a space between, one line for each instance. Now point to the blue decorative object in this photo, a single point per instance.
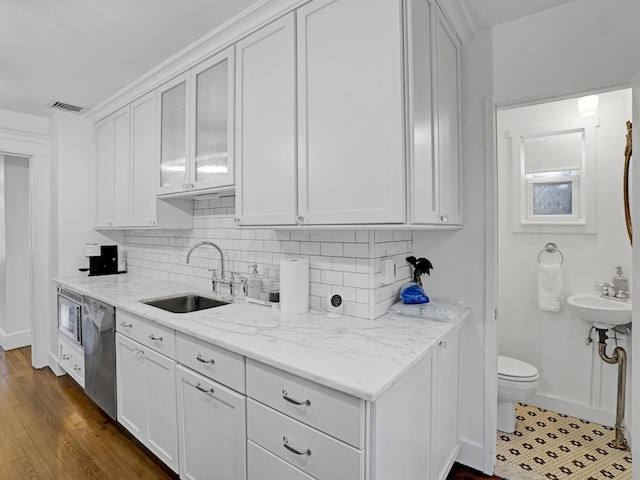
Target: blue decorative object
pixel 412 293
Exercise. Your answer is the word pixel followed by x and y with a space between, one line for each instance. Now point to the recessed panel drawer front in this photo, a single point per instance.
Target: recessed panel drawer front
pixel 312 451
pixel 211 361
pixel 262 464
pixel 71 360
pixel 150 334
pixel 335 413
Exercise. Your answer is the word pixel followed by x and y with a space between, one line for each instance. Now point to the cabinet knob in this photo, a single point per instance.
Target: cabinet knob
pixel 236 221
pixel 300 219
pixel 152 222
pixel 444 218
pixel 444 344
pixel 185 186
pixel 191 185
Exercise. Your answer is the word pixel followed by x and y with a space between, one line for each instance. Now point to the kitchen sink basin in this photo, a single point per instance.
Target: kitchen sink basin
pixel 185 303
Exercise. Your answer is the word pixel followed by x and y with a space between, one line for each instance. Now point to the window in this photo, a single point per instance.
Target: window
pixel 552 175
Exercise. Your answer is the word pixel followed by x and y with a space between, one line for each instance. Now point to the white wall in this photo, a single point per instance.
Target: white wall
pixel 577 46
pixel 570 371
pixel 17 330
pixel 73 155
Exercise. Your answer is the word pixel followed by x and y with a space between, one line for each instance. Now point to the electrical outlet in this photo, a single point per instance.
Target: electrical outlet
pixel 335 304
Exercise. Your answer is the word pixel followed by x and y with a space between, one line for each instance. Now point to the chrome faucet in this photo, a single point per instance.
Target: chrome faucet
pixel 214 280
pixel 609 291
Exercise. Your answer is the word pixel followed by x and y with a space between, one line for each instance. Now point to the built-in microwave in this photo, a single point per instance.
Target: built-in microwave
pixel 70 314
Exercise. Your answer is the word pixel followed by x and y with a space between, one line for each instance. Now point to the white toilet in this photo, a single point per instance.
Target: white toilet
pixel 517 382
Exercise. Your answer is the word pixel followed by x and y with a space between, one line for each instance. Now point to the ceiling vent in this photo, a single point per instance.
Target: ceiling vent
pixel 65 107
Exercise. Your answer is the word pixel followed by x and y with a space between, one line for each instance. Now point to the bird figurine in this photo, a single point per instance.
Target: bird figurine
pixel 420 267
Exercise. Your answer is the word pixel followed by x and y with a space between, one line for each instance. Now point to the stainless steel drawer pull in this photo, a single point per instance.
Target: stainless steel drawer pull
pixel 77 368
pixel 286 396
pixel 154 338
pixel 65 356
pixel 285 444
pixel 202 360
pixel 125 324
pixel 138 352
pixel 204 390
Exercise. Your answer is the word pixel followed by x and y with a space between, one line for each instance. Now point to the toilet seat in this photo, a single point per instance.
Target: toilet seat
pixel 514 370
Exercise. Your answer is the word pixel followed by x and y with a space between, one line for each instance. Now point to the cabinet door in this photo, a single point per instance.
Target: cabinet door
pixel 266 125
pixel 130 387
pixel 447 131
pixel 423 169
pixel 446 432
pixel 162 428
pixel 173 124
pixel 121 167
pixel 351 150
pixel 212 427
pixel 212 97
pixel 144 161
pixel 104 177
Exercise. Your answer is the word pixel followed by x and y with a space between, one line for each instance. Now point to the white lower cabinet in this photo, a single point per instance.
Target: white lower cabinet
pixel 212 429
pixel 147 398
pixel 446 425
pixel 71 358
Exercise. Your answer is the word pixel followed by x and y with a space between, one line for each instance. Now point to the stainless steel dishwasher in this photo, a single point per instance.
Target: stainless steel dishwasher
pixel 98 329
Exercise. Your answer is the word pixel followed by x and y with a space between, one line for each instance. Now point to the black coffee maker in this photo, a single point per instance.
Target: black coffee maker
pixel 106 263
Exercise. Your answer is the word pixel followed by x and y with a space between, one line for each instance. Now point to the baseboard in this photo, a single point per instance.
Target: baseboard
pixel 577 410
pixel 9 341
pixel 54 365
pixel 472 455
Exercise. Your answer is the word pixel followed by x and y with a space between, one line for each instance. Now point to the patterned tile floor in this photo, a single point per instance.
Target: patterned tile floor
pixel 551 446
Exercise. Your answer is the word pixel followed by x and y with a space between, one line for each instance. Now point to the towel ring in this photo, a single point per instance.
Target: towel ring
pixel 551 248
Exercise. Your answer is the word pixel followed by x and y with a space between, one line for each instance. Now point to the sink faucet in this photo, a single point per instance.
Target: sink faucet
pixel 609 291
pixel 213 274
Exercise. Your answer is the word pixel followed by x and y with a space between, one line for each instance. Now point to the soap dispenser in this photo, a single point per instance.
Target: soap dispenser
pixel 620 281
pixel 255 282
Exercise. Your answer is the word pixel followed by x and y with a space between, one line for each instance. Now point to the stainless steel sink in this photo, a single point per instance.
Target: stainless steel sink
pixel 186 303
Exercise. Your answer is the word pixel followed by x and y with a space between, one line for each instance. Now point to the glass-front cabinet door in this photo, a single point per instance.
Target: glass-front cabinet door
pixel 174 146
pixel 197 119
pixel 212 136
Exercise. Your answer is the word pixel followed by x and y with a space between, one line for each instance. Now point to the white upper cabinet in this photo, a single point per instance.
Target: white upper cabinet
pixel 144 209
pixel 351 141
pixel 434 116
pixel 266 125
pixel 126 172
pixel 196 127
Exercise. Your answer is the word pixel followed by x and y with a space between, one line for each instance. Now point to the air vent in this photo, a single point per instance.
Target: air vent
pixel 66 107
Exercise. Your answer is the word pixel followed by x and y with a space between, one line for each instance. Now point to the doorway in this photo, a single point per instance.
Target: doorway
pixel 15 252
pixel 578 207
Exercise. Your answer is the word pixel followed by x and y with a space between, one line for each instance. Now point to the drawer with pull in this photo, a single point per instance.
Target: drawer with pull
pixel 308 449
pixel 335 413
pixel 264 464
pixel 71 358
pixel 150 334
pixel 214 362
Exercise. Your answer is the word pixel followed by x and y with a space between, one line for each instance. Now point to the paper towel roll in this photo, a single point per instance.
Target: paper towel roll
pixel 294 285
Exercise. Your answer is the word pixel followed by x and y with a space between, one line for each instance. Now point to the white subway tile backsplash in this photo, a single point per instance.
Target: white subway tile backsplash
pixel 328 249
pixel 343 260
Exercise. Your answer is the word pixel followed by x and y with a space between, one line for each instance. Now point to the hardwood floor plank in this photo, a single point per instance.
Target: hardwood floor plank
pixel 49 429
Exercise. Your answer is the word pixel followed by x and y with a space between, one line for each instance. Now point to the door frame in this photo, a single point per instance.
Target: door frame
pixel 36 147
pixel 491 271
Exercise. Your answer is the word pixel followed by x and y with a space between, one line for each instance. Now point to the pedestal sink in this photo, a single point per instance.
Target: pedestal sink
pixel 601 311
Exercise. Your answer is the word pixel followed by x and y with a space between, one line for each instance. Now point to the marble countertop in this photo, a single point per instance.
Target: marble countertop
pixel 359 357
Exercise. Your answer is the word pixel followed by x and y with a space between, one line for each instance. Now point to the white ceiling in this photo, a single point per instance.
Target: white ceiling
pixel 82 52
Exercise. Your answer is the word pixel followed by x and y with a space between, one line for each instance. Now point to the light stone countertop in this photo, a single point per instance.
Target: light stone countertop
pixel 356 356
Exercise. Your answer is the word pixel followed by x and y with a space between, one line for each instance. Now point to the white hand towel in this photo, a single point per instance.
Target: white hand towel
pixel 550 287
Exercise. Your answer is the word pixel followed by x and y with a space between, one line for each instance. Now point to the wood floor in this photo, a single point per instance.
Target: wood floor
pixel 50 430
